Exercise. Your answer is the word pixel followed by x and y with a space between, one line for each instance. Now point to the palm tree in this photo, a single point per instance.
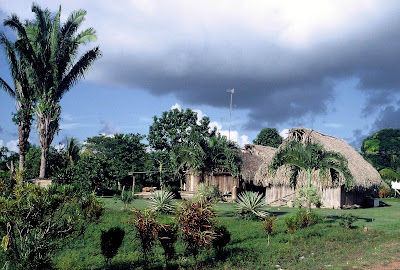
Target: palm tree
pixel 72 149
pixel 52 49
pixel 23 93
pixel 309 158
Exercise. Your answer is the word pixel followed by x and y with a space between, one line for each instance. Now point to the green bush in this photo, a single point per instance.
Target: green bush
pixel 35 221
pixel 207 193
pixel 167 236
pixel 292 223
pixel 305 195
pixel 110 242
pixel 249 205
pixel 346 220
pixel 222 238
pixel 307 219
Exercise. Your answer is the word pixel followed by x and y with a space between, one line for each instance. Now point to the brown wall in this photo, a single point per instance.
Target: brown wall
pixel 224 182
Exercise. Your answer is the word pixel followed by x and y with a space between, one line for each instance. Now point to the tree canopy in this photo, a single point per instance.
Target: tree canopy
pixel 268 137
pixel 382 149
pixel 175 127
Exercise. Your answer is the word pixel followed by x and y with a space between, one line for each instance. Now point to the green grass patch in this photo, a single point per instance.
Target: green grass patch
pixel 372 240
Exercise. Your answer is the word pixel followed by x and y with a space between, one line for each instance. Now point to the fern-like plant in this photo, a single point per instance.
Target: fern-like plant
pixel 161 201
pixel 249 205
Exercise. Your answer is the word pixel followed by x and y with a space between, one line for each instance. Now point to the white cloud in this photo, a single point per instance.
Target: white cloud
pixel 109 128
pixel 333 125
pixel 1 143
pixel 13 146
pixel 284 133
pixel 234 136
pixel 176 106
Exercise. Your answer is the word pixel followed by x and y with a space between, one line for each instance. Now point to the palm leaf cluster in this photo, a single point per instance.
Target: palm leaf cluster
pixel 249 204
pixel 311 157
pixel 44 64
pixel 162 201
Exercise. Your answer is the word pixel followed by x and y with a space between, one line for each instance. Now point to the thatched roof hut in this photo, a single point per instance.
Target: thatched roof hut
pixel 257 159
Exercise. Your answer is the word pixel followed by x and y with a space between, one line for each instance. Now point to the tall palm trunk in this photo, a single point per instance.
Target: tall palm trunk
pixel 47 124
pixel 308 191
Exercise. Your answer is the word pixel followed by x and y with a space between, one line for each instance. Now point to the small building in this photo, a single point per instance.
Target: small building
pixel 278 186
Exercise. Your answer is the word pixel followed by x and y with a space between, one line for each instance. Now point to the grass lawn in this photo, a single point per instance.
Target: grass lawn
pixel 372 243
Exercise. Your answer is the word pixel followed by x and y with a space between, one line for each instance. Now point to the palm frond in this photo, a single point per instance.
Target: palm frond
pixel 162 201
pixel 251 203
pixel 78 70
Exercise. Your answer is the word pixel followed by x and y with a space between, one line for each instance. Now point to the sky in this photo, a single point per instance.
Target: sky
pixel 331 66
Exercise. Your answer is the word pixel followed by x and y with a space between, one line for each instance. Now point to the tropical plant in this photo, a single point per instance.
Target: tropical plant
pixel 147 229
pixel 126 197
pixel 269 225
pixel 311 157
pixel 23 93
pixel 72 150
pixel 292 223
pixel 162 201
pixel 37 220
pixel 306 195
pixel 249 205
pixel 197 225
pixel 110 242
pixel 51 49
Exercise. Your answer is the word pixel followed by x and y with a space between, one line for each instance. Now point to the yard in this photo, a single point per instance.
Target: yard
pixel 371 244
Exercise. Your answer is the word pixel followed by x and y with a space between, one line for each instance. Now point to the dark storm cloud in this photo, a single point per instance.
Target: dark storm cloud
pixel 388 118
pixel 276 83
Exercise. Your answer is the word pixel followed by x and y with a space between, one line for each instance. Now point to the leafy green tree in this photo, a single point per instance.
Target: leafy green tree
pixel 22 93
pixel 382 149
pixel 52 48
pixel 72 150
pixel 309 158
pixel 123 152
pixel 268 137
pixel 176 127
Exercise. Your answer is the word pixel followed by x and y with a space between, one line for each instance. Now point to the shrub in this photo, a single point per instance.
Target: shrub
pixel 126 197
pixel 305 195
pixel 292 223
pixel 37 220
pixel 306 219
pixel 346 220
pixel 207 193
pixel 222 238
pixel 249 205
pixel 269 226
pixel 110 242
pixel 197 225
pixel 161 201
pixel 167 236
pixel 146 229
pixel 383 192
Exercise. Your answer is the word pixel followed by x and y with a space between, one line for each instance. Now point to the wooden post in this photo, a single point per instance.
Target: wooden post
pixel 234 194
pixel 133 184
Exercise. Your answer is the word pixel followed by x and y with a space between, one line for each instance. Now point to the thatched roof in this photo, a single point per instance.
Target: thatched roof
pixel 365 176
pixel 254 157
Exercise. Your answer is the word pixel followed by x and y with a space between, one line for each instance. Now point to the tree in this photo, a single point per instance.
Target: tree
pixel 124 152
pixel 72 150
pixel 51 49
pixel 268 137
pixel 23 93
pixel 176 127
pixel 309 158
pixel 382 149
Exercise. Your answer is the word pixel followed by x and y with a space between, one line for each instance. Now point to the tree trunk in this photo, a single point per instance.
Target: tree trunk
pixel 308 188
pixel 47 125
